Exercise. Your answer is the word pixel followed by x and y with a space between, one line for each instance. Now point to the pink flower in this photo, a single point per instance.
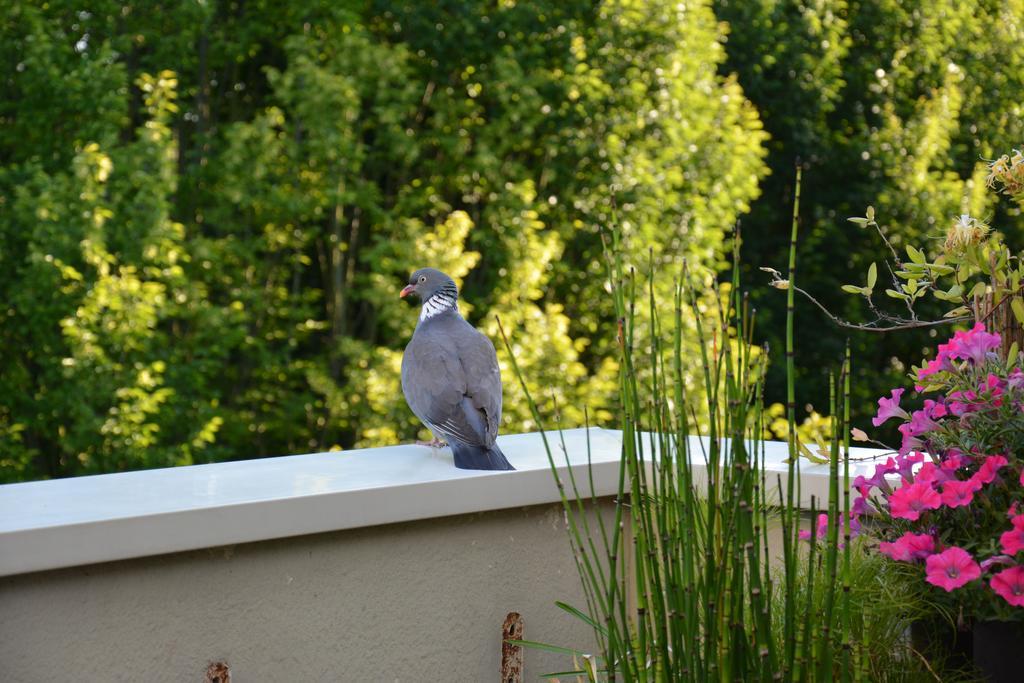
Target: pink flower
pixel 1012 541
pixel 961 402
pixel 957 493
pixel 929 473
pixel 910 440
pixel 1009 584
pixel 921 423
pixel 995 560
pixel 954 460
pixel 861 506
pixel 864 484
pixel 992 388
pixel 941 363
pixel 951 568
pixel 908 547
pixel 906 464
pixel 987 472
pixel 889 407
pixel 822 530
pixel 910 500
pixel 973 344
pixel 1016 379
pixel 805 534
pixel 994 384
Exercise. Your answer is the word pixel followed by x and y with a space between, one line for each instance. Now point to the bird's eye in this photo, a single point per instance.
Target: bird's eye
pixel 423 278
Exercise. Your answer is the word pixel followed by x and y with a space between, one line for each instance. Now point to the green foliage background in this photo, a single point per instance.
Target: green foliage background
pixel 207 208
pixel 889 103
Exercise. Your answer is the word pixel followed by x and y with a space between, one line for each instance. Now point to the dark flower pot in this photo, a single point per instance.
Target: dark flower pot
pixel 943 644
pixel 999 650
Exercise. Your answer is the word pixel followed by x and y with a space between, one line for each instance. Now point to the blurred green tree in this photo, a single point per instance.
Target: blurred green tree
pixel 890 104
pixel 207 209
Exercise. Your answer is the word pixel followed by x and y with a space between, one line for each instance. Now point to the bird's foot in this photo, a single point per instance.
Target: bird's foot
pixel 434 443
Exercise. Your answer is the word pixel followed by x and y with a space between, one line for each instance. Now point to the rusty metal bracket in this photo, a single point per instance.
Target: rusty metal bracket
pixel 218 672
pixel 511 655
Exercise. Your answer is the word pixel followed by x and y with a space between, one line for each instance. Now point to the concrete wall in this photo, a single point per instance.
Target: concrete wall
pixel 417 601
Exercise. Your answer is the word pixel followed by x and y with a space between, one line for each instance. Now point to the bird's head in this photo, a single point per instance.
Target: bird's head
pixel 426 282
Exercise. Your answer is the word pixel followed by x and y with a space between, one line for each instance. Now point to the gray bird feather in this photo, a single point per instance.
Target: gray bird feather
pixel 451 379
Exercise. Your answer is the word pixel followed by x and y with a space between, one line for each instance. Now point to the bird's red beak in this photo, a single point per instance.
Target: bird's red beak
pixel 407 290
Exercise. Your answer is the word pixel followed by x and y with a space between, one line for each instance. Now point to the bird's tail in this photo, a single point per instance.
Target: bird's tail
pixel 469 457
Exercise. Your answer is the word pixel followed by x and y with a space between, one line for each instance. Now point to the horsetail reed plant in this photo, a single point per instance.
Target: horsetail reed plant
pixel 683 584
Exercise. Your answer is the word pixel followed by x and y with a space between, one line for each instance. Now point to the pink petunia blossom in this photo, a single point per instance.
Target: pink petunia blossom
pixel 931 474
pixel 877 479
pixel 935 409
pixel 1012 541
pixel 921 423
pixel 941 363
pixel 910 500
pixel 906 462
pixel 822 529
pixel 993 387
pixel 861 506
pixel 954 460
pixel 988 470
pixel 889 407
pixel 959 403
pixel 1009 585
pixel 996 560
pixel 973 344
pixel 908 547
pixel 805 534
pixel 910 440
pixel 951 568
pixel 957 493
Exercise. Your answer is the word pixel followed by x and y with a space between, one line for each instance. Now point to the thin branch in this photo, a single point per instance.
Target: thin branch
pixel 899 324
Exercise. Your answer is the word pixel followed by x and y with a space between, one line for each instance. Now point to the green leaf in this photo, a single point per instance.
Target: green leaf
pixel 872 275
pixel 1018 309
pixel 870 213
pixel 1011 356
pixel 915 254
pixel 896 295
pixel 534 645
pixel 581 616
pixel 563 674
pixel 807 453
pixel 862 222
pixel 853 289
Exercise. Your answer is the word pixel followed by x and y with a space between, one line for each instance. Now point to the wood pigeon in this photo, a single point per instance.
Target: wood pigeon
pixel 450 375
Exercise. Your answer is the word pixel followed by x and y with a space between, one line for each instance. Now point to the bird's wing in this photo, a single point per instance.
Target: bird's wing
pixel 483 378
pixel 434 381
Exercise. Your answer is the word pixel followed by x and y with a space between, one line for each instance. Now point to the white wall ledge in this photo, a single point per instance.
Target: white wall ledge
pixel 86 520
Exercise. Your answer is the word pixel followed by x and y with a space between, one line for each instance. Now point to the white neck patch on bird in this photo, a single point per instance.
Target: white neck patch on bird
pixel 439 303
